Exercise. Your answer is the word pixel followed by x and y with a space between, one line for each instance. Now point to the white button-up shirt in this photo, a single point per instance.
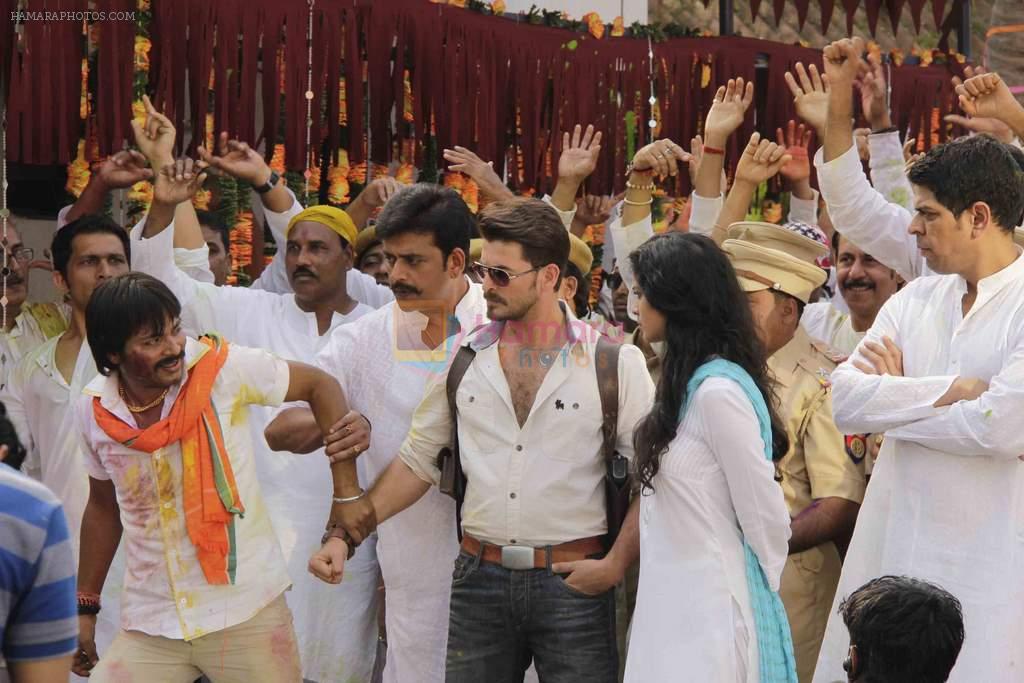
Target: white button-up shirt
pixel 165 591
pixel 28 334
pixel 946 501
pixel 542 483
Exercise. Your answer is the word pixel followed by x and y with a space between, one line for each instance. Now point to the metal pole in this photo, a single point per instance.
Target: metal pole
pixel 963 31
pixel 725 13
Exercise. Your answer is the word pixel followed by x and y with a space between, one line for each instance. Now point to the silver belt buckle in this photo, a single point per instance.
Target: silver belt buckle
pixel 517 557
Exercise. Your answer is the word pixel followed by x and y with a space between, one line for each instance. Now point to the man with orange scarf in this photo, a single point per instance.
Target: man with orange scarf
pixel 170 460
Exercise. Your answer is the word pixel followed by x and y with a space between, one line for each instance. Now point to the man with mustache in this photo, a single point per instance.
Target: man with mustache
pixel 317 259
pixel 531 450
pixel 384 362
pixel 940 373
pixel 171 467
pixel 864 284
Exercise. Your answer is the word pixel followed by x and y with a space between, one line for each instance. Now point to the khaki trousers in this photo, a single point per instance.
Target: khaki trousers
pixel 260 649
pixel 809 584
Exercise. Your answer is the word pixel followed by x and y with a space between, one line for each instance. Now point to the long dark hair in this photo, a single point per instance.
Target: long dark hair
pixel 690 281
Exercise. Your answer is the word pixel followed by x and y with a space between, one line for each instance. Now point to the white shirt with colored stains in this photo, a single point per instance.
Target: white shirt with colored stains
pixel 165 591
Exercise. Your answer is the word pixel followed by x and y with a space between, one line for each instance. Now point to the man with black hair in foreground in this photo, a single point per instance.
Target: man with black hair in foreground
pixel 902 630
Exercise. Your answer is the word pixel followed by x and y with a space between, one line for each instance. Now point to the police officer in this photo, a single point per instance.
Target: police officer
pixel 822 480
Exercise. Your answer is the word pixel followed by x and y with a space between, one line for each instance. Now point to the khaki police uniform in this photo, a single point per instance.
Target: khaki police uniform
pixel 817 465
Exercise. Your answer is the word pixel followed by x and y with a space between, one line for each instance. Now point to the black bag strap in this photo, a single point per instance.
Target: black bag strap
pixel 607 359
pixel 460 364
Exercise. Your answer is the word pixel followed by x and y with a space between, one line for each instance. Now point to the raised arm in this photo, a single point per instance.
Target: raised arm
pixel 465 160
pixel 117 172
pixel 761 160
pixel 796 173
pixel 987 96
pixel 375 195
pixel 860 212
pixel 577 161
pixel 725 116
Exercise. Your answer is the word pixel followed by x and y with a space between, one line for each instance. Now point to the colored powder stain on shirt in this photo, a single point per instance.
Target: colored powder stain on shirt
pixel 247 395
pixel 119 672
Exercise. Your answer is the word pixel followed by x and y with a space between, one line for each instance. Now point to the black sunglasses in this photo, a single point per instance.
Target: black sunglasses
pixel 498 276
pixel 613 280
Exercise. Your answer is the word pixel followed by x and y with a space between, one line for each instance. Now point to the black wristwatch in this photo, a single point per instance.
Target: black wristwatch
pixel 269 185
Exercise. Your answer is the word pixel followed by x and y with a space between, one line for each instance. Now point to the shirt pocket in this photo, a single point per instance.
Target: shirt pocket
pixel 479 418
pixel 571 425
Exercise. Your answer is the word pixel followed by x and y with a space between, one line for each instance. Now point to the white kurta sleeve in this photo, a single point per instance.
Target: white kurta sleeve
pixel 262 377
pixel 733 432
pixel 636 396
pixel 274 277
pixel 82 417
pixel 194 262
pixel 987 426
pixel 205 307
pixel 871 404
pixel 704 213
pixel 867 218
pixel 430 431
pixel 888 170
pixel 804 210
pixel 626 239
pixel 566 216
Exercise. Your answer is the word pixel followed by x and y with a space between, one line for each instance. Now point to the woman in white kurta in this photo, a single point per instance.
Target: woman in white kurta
pixel 708 485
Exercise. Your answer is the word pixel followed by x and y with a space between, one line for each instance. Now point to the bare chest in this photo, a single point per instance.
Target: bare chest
pixel 524 380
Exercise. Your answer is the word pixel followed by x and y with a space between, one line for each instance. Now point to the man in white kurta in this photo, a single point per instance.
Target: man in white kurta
pixel 336 626
pixel 377 362
pixel 941 372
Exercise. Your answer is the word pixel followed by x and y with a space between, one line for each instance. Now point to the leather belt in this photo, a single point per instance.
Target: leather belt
pixel 524 557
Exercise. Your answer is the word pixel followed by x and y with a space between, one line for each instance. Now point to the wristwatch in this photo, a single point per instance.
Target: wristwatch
pixel 269 185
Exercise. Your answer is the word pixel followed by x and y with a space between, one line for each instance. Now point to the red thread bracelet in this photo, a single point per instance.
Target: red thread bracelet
pixel 713 150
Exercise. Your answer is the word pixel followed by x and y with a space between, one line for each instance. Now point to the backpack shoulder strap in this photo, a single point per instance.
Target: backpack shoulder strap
pixel 455 486
pixel 607 360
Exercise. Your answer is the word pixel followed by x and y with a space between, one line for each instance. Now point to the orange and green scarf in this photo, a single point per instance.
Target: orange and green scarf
pixel 208 483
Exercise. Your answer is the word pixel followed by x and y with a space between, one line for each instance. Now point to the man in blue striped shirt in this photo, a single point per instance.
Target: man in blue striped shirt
pixel 38 620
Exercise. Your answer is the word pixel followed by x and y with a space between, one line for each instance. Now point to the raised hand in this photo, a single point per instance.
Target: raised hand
pixel 328 563
pixel 796 141
pixel 842 61
pixel 662 157
pixel 482 172
pixel 761 160
pixel 237 159
pixel 696 154
pixel 155 136
pixel 873 95
pixel 122 170
pixel 178 182
pixel 810 95
pixel 380 191
pixel 992 108
pixel 579 153
pixel 594 209
pixel 728 109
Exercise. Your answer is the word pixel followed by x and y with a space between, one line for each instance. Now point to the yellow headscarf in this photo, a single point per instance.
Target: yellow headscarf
pixel 335 219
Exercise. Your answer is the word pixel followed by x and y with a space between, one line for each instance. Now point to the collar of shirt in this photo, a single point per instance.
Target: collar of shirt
pixel 989 286
pixel 110 398
pixel 305 322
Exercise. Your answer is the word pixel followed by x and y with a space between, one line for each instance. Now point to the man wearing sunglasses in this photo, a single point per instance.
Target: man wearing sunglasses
pixel 530 435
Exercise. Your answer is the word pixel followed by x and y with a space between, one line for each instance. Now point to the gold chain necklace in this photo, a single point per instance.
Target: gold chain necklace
pixel 141 409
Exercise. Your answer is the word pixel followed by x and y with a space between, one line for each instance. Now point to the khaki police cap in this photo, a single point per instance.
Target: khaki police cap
pixel 759 267
pixel 779 238
pixel 365 239
pixel 580 254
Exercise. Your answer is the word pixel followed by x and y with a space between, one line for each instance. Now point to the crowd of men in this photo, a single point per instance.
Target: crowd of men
pixel 402 453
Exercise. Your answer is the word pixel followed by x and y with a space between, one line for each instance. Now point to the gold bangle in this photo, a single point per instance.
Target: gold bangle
pixel 626 201
pixel 650 187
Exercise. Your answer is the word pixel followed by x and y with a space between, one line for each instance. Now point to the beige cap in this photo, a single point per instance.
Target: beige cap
pixel 476 248
pixel 365 239
pixel 779 237
pixel 580 254
pixel 767 256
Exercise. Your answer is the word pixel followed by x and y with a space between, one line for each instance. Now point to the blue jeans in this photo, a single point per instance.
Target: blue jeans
pixel 500 619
